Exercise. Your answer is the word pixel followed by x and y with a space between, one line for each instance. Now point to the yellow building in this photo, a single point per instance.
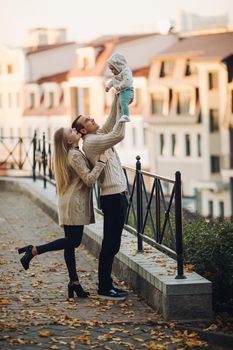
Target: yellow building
pixel 190 87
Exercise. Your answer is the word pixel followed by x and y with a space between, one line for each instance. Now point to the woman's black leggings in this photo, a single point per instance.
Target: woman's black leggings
pixel 73 238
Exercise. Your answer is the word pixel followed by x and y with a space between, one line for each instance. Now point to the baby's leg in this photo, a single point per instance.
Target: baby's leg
pixel 125 97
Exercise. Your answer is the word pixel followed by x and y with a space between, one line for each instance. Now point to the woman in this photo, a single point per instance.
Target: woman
pixel 74 181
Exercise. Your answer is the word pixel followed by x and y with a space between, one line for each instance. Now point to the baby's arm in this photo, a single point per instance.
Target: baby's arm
pixel 109 86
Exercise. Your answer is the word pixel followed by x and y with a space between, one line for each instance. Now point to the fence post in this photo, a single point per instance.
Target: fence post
pixel 20 153
pixel 40 153
pixel 50 162
pixel 34 158
pixel 178 219
pixel 139 203
pixel 157 213
pixel 44 160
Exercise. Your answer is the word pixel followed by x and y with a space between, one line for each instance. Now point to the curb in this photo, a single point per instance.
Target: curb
pixel 215 338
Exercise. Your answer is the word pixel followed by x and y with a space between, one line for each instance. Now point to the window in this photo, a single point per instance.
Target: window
pixel 190 69
pixel 166 68
pixel 32 100
pixel 86 101
pixel 211 208
pixel 213 80
pixel 187 145
pixel 197 96
pixel 187 68
pixel 138 97
pixel 215 164
pixel 173 144
pixel 9 100
pixel 157 102
pixel 170 98
pixel 199 145
pixel 9 69
pixel 221 210
pixel 213 120
pixel 199 118
pixel 161 140
pixel 134 142
pixel 51 99
pixel 183 102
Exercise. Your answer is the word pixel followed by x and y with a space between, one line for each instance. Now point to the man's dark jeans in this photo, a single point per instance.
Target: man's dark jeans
pixel 114 207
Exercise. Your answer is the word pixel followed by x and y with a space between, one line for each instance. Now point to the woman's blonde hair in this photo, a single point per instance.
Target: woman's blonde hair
pixel 61 167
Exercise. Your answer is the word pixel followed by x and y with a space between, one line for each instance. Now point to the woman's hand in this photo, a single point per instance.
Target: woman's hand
pixel 103 157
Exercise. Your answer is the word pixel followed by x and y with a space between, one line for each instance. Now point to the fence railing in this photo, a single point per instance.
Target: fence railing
pixel 154 213
pixel 15 153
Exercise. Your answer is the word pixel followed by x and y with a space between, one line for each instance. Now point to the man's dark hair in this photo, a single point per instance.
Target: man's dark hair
pixel 76 124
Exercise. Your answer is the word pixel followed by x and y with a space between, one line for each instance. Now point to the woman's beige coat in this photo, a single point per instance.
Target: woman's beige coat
pixel 75 206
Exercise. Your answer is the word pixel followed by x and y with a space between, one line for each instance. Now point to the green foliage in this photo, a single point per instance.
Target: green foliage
pixel 209 247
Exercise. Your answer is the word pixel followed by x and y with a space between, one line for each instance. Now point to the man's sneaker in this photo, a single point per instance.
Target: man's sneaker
pixel 119 290
pixel 124 119
pixel 112 294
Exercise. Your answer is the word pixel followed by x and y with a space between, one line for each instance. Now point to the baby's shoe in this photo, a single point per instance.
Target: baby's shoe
pixel 124 119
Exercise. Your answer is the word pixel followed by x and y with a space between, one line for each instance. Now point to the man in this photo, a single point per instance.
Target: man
pixel 113 188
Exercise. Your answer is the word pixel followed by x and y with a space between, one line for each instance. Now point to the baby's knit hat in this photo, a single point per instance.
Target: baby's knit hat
pixel 118 61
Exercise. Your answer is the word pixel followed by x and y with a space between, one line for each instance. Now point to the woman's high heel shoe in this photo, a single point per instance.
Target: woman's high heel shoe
pixel 25 260
pixel 78 289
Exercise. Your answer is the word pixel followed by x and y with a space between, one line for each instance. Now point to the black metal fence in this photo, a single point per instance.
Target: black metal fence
pixel 155 203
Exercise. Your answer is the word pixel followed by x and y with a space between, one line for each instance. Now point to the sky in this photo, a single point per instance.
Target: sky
pixel 88 19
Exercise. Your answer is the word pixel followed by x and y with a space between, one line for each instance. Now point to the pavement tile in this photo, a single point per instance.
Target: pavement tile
pixel 35 311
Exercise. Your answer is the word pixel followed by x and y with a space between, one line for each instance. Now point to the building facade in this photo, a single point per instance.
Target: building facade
pixel 187 128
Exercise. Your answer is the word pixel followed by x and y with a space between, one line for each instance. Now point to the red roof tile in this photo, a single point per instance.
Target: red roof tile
pixel 201 47
pixel 55 78
pixel 141 72
pixel 37 49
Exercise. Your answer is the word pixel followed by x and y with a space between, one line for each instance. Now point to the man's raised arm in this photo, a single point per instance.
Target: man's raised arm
pixel 111 120
pixel 98 143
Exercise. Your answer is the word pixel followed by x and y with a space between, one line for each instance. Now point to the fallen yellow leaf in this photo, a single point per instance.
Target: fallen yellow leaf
pixel 45 333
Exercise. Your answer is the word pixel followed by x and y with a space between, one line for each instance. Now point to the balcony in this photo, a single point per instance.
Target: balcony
pixel 226 162
pixel 175 119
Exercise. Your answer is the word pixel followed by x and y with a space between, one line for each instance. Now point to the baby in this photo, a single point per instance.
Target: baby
pixel 122 82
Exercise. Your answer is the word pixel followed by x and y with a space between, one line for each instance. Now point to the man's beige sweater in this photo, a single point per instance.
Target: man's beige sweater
pixel 112 180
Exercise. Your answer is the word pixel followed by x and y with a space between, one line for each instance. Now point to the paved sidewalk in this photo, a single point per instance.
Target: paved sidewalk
pixel 35 312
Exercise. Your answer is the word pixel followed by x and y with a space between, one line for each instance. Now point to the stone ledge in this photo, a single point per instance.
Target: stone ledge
pixel 151 273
